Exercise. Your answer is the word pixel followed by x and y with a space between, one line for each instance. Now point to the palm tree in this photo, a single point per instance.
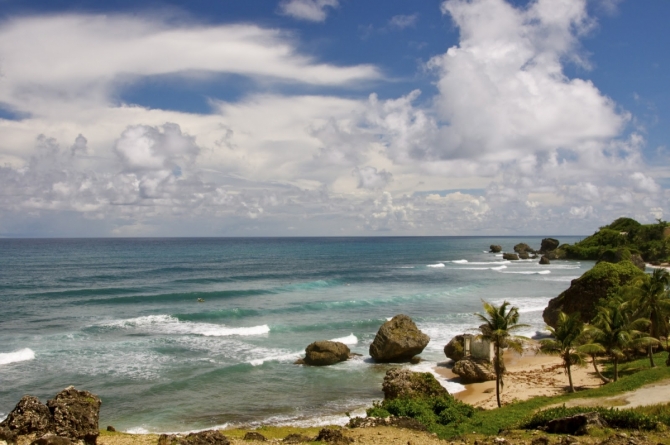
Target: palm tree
pixel 615 330
pixel 499 323
pixel 567 338
pixel 653 302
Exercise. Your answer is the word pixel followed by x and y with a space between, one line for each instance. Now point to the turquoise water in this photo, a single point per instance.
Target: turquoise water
pixel 121 318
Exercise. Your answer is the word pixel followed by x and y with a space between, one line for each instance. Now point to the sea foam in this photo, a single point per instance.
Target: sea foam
pixel 348 340
pixel 21 355
pixel 167 324
pixel 436 265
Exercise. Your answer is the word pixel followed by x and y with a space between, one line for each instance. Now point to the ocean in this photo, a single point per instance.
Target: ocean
pixel 121 318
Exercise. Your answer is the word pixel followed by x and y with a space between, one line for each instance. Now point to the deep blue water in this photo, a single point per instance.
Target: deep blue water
pixel 121 318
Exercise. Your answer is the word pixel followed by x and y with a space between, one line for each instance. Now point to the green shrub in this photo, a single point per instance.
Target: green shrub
pixel 615 418
pixel 430 411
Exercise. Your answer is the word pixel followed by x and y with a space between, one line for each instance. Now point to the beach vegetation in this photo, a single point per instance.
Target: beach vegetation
pixel 498 328
pixel 652 300
pixel 431 411
pixel 615 418
pixel 568 336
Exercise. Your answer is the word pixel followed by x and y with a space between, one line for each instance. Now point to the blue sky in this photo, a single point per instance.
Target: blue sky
pixel 332 117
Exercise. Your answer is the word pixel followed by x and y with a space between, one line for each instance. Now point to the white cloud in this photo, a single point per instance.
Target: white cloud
pixel 311 10
pixel 403 21
pixel 371 178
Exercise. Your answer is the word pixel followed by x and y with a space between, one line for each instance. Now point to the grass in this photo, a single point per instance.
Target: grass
pixel 490 422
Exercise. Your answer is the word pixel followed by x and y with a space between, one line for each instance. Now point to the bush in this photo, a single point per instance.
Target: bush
pixel 430 411
pixel 615 418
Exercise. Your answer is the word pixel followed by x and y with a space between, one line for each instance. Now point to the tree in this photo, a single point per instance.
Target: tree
pixel 653 302
pixel 499 323
pixel 615 330
pixel 567 337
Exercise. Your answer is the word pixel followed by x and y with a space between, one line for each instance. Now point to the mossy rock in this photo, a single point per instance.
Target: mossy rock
pixel 601 282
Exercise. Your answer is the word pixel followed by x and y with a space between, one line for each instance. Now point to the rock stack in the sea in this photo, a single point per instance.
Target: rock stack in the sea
pixel 473 370
pixel 324 353
pixel 398 340
pixel 71 416
pixel 495 248
pixel 548 245
pixel 510 256
pixel 455 349
pixel 401 382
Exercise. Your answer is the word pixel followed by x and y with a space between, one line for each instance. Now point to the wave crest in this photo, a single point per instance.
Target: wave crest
pixel 167 324
pixel 21 355
pixel 350 339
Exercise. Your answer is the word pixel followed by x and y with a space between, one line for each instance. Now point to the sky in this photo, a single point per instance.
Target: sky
pixel 332 117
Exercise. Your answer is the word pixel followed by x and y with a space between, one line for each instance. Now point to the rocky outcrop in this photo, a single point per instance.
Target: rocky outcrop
pixel 399 382
pixel 603 280
pixel 253 435
pixel 474 370
pixel 334 436
pixel 524 256
pixel 29 416
pixel 209 437
pixel 619 255
pixel 7 436
pixel 455 348
pixel 398 422
pixel 75 415
pixel 510 256
pixel 544 260
pixel 398 340
pixel 326 352
pixel 523 247
pixel 549 244
pixel 558 254
pixel 576 425
pixel 495 248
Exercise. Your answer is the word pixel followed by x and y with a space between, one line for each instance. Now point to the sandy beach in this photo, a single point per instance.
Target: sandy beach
pixel 528 375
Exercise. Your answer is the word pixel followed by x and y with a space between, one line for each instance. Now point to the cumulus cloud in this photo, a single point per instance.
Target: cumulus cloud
pixel 310 10
pixel 371 178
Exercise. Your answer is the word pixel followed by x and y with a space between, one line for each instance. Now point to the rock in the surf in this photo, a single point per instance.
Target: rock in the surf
pixel 326 352
pixel 473 370
pixel 495 248
pixel 400 382
pixel 524 255
pixel 76 414
pixel 544 260
pixel 455 348
pixel 209 437
pixel 549 244
pixel 28 417
pixel 398 340
pixel 510 256
pixel 523 247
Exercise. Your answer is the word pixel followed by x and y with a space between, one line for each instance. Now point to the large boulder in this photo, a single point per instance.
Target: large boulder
pixel 326 352
pixel 544 260
pixel 523 247
pixel 400 382
pixel 474 370
pixel 602 281
pixel 75 415
pixel 510 256
pixel 455 348
pixel 7 436
pixel 29 416
pixel 209 437
pixel 495 248
pixel 398 340
pixel 524 255
pixel 549 244
pixel 333 436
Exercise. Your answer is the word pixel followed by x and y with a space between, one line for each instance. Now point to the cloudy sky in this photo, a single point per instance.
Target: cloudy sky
pixel 332 117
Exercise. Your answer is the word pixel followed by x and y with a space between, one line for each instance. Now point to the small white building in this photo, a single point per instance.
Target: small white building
pixel 478 348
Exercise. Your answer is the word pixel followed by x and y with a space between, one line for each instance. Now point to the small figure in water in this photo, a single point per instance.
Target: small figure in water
pixel 201 300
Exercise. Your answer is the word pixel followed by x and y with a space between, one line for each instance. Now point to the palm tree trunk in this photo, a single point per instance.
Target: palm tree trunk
pixel 616 368
pixel 572 387
pixel 595 366
pixel 498 371
pixel 651 357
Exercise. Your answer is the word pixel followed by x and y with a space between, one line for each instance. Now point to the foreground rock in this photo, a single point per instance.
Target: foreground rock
pixel 253 435
pixel 576 425
pixel 209 437
pixel 495 248
pixel 473 370
pixel 30 416
pixel 399 382
pixel 326 352
pixel 398 422
pixel 549 244
pixel 455 349
pixel 398 340
pixel 584 292
pixel 7 436
pixel 76 414
pixel 334 436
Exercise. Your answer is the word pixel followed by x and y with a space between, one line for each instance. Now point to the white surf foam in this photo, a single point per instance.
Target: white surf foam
pixel 460 261
pixel 350 339
pixel 21 355
pixel 167 324
pixel 452 387
pixel 530 272
pixel 436 265
pixel 481 263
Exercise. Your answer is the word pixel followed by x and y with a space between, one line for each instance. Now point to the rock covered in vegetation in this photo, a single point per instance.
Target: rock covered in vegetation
pixel 398 340
pixel 455 348
pixel 523 247
pixel 399 382
pixel 510 256
pixel 326 352
pixel 576 425
pixel 209 437
pixel 549 244
pixel 495 248
pixel 544 260
pixel 29 416
pixel 474 370
pixel 619 255
pixel 76 414
pixel 602 281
